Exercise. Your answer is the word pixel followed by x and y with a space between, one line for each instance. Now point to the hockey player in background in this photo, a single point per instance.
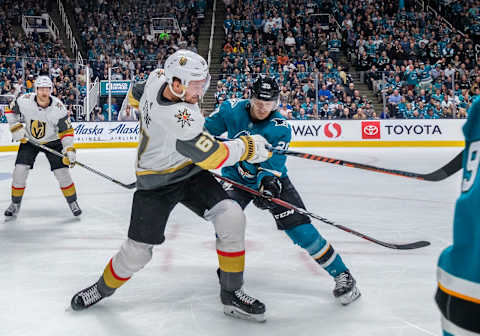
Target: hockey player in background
pixel 458 273
pixel 259 116
pixel 174 154
pixel 43 118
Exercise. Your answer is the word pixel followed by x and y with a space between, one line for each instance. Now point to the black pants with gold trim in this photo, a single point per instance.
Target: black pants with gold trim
pixel 27 154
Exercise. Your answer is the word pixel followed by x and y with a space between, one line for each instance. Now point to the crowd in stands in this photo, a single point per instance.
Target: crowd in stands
pixel 118 34
pixel 422 66
pixel 286 40
pixel 23 57
pixel 419 65
pixel 403 49
pixel 109 36
pixel 462 14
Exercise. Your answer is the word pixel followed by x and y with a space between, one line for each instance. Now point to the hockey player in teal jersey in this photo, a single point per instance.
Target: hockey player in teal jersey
pixel 458 273
pixel 259 116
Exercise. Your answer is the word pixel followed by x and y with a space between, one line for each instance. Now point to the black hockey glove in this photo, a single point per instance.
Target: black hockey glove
pixel 269 187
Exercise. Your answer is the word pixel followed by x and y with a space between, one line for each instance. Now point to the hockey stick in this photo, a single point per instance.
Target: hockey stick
pixel 111 179
pixel 446 171
pixel 409 246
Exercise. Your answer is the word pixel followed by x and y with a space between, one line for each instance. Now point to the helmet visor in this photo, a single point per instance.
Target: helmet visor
pixel 198 87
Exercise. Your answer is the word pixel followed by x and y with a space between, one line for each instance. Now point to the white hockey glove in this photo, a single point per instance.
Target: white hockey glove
pixel 18 133
pixel 256 148
pixel 70 156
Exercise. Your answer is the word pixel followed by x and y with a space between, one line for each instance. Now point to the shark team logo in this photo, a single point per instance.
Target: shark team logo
pixel 280 122
pixel 184 117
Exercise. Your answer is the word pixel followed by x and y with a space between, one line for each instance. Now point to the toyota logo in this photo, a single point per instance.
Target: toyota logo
pixel 332 130
pixel 370 130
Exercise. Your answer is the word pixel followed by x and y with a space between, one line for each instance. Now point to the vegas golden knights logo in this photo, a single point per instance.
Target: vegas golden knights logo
pixel 38 128
pixel 182 60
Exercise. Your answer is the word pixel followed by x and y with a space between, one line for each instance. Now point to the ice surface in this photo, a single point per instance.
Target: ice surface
pixel 46 255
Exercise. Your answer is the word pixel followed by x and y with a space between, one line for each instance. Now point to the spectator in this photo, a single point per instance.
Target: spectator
pixel 127 114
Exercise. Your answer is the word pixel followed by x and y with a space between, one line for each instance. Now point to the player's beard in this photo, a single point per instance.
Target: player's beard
pixel 193 100
pixel 43 98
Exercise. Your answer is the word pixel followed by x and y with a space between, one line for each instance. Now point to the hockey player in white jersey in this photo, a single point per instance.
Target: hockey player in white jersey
pixel 43 118
pixel 174 155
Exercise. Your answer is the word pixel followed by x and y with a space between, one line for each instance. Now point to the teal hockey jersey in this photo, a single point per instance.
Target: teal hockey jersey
pixel 458 272
pixel 233 117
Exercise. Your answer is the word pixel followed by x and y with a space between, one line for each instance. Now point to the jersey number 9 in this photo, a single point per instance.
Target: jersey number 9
pixel 471 165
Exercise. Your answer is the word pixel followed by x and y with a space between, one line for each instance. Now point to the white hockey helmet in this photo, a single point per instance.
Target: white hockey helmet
pixel 43 81
pixel 186 66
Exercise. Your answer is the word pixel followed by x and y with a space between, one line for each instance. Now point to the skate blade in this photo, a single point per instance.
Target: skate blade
pixel 240 314
pixel 349 297
pixel 9 218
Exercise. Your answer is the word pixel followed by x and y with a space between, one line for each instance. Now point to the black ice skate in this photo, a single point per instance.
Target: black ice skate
pixel 12 210
pixel 75 208
pixel 240 305
pixel 346 290
pixel 86 297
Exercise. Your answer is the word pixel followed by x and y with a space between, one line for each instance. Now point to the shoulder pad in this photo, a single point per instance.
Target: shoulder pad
pixel 156 75
pixel 26 96
pixel 58 105
pixel 234 102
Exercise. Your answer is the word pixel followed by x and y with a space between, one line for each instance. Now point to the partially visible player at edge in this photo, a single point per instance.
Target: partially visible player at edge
pixel 458 272
pixel 259 116
pixel 174 154
pixel 47 122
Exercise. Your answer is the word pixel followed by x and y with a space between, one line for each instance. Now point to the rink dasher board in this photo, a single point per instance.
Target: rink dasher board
pixel 305 133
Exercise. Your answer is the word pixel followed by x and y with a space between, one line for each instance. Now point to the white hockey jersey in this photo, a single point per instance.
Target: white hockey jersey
pixel 173 144
pixel 42 124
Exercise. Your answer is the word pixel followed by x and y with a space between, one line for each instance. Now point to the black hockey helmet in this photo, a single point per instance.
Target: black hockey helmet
pixel 265 88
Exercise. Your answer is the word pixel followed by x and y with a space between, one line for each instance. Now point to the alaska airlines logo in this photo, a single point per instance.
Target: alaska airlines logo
pixel 124 129
pixel 81 129
pixel 38 128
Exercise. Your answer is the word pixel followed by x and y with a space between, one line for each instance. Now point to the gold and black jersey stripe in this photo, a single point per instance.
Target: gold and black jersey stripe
pixel 204 151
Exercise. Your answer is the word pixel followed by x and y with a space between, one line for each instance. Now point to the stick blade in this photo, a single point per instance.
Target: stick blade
pixel 410 246
pixel 132 185
pixel 446 171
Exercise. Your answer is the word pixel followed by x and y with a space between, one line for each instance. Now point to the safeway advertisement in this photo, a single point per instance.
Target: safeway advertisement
pixel 319 130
